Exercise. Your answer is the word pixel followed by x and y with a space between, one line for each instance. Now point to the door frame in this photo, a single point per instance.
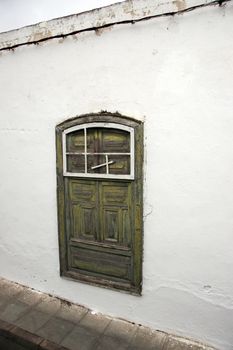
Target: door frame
pixel 135 286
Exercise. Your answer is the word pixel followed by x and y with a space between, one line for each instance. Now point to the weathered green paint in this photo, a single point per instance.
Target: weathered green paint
pixel 100 220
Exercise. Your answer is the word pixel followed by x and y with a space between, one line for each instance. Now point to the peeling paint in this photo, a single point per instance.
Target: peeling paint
pixel 38 35
pixel 123 13
pixel 100 31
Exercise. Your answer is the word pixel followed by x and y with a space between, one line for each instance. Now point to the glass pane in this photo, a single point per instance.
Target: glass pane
pixel 75 163
pixel 75 141
pixel 120 165
pixel 115 141
pixel 98 162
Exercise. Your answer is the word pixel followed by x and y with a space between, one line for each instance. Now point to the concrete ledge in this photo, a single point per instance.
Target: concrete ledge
pixel 120 13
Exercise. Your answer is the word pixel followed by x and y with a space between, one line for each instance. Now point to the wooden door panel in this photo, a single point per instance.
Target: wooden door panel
pixel 100 212
pixel 75 141
pixel 82 191
pixel 100 262
pixel 126 227
pixel 116 193
pixel 114 140
pixel 116 212
pixel 83 204
pixel 75 163
pixel 93 140
pixel 111 225
pixel 84 222
pixel 120 165
pixel 116 226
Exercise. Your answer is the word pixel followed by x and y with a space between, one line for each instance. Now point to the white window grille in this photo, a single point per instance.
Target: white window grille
pixel 107 165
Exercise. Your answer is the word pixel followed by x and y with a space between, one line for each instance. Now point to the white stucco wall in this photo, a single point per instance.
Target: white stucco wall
pixel 175 73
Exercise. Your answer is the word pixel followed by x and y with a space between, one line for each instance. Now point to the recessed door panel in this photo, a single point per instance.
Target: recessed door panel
pixel 116 193
pixel 101 262
pixel 83 212
pixel 81 191
pixel 111 225
pixel 116 210
pixel 83 222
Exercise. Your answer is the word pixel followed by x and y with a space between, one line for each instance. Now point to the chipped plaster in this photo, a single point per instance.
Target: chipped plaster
pixel 120 13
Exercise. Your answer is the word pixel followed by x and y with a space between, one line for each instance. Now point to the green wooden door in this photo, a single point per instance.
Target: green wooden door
pixel 101 213
pixel 100 219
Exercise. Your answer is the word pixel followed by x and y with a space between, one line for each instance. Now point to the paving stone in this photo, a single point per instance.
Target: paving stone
pixel 95 323
pixel 146 339
pixel 48 345
pixel 28 340
pixel 176 343
pixel 5 327
pixel 74 327
pixel 72 313
pixel 33 320
pixel 8 344
pixel 13 310
pixel 109 343
pixel 4 299
pixel 49 305
pixel 80 339
pixel 29 297
pixel 55 329
pixel 121 329
pixel 10 289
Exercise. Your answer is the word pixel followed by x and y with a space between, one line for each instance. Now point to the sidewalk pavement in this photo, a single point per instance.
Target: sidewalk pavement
pixel 53 324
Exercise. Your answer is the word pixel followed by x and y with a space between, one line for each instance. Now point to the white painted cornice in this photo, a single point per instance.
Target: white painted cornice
pixel 119 13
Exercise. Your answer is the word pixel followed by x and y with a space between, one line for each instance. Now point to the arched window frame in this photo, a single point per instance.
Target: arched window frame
pixel 86 126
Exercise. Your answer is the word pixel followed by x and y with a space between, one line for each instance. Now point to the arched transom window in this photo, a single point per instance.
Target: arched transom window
pixel 103 150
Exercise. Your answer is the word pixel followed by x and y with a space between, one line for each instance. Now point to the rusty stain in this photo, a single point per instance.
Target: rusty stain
pixel 180 4
pixel 97 32
pixel 40 35
pixel 100 24
pixel 100 31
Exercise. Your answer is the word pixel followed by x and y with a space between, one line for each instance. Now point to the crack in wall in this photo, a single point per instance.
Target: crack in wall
pixel 18 130
pixel 198 290
pixel 181 9
pixel 148 213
